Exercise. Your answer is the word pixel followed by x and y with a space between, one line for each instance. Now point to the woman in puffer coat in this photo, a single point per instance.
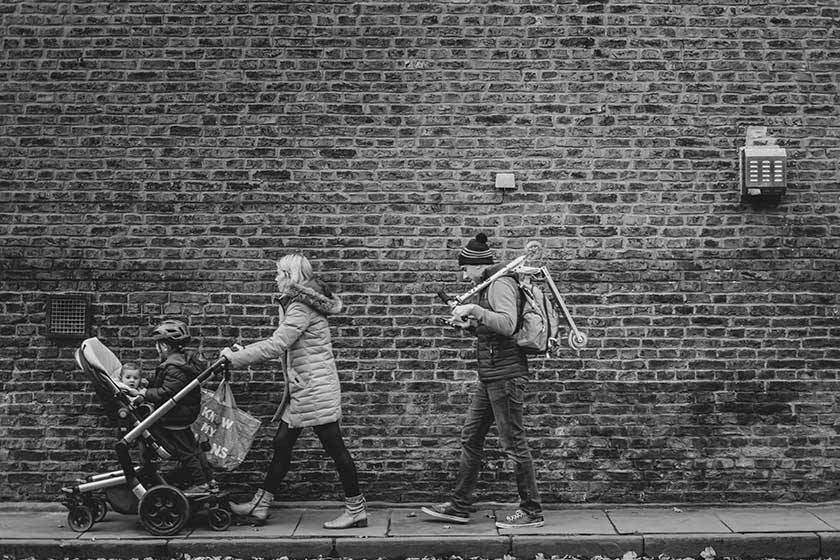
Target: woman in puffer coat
pixel 313 394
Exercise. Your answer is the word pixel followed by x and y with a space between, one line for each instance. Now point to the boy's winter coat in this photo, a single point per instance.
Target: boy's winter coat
pixel 172 375
pixel 313 392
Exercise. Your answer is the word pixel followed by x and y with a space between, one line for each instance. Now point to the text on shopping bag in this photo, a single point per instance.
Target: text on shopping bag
pixel 228 430
pixel 210 429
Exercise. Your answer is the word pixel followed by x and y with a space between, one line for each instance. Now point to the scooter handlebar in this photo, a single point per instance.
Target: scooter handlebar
pixel 447 299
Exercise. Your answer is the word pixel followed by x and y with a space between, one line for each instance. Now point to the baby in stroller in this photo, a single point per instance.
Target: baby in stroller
pixel 157 420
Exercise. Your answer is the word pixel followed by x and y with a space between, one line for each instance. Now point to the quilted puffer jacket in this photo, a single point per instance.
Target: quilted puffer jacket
pixel 313 392
pixel 172 375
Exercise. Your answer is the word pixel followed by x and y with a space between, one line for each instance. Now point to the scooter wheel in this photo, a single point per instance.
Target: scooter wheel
pixel 80 519
pixel 163 511
pixel 577 340
pixel 219 518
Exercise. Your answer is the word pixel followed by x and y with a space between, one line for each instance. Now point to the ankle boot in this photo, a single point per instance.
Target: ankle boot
pixel 354 515
pixel 257 507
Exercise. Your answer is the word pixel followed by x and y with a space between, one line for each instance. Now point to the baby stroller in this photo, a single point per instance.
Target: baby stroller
pixel 162 508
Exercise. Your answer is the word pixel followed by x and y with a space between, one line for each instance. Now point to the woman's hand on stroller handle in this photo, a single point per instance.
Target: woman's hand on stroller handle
pixel 225 355
pixel 227 352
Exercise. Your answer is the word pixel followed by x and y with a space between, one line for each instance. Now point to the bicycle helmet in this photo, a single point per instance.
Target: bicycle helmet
pixel 172 331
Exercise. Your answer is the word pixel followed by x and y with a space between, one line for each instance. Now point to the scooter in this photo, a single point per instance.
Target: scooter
pixel 577 338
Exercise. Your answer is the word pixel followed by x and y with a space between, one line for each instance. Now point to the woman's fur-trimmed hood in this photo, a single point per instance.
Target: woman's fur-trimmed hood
pixel 314 294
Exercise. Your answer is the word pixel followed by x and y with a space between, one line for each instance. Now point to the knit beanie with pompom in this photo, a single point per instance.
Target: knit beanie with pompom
pixel 476 252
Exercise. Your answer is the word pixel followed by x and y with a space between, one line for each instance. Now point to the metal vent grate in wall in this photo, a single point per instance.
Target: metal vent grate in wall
pixel 68 316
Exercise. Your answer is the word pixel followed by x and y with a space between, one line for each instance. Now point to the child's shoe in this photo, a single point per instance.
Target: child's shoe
pixel 354 515
pixel 257 507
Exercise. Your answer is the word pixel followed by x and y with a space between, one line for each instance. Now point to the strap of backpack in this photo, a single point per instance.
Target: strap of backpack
pixel 520 307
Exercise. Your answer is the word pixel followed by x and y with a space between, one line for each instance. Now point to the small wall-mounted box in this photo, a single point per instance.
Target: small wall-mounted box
pixel 505 181
pixel 763 172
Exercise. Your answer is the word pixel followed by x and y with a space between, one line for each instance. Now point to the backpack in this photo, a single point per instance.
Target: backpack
pixel 538 323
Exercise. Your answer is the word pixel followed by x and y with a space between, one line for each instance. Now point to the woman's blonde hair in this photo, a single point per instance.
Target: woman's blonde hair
pixel 297 266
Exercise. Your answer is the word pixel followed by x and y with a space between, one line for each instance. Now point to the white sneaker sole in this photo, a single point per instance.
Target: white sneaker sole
pixel 503 525
pixel 438 515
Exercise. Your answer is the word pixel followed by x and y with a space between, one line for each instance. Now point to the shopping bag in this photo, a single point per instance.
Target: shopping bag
pixel 228 430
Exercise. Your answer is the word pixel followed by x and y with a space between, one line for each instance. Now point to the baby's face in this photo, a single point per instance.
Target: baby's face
pixel 131 378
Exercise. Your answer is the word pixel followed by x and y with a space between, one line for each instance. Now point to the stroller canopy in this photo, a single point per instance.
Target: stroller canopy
pixel 100 357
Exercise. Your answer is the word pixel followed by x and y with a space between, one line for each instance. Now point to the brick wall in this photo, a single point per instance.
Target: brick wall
pixel 159 155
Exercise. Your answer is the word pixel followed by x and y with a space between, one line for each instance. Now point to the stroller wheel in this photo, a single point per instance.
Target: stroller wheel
pixel 219 518
pixel 80 519
pixel 99 509
pixel 164 511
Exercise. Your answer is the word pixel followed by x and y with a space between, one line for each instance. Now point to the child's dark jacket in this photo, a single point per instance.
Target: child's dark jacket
pixel 172 375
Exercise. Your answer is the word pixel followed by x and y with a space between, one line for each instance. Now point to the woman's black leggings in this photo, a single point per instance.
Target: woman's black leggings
pixel 330 436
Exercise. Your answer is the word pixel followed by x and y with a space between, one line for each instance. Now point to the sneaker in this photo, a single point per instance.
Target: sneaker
pixel 197 490
pixel 520 519
pixel 446 512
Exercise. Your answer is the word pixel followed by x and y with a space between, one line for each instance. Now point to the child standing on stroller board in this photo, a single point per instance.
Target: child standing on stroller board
pixel 176 369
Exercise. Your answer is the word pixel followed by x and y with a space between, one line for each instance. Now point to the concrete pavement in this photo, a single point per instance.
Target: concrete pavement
pixel 402 531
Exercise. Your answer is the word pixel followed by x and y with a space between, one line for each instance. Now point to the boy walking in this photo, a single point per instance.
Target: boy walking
pixel 499 392
pixel 176 369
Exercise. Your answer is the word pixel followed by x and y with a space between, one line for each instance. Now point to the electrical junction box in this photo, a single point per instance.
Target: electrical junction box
pixel 505 181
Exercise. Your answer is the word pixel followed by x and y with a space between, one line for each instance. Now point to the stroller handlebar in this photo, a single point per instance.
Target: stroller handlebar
pixel 220 364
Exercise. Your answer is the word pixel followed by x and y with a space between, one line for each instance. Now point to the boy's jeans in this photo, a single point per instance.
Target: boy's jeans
pixel 500 401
